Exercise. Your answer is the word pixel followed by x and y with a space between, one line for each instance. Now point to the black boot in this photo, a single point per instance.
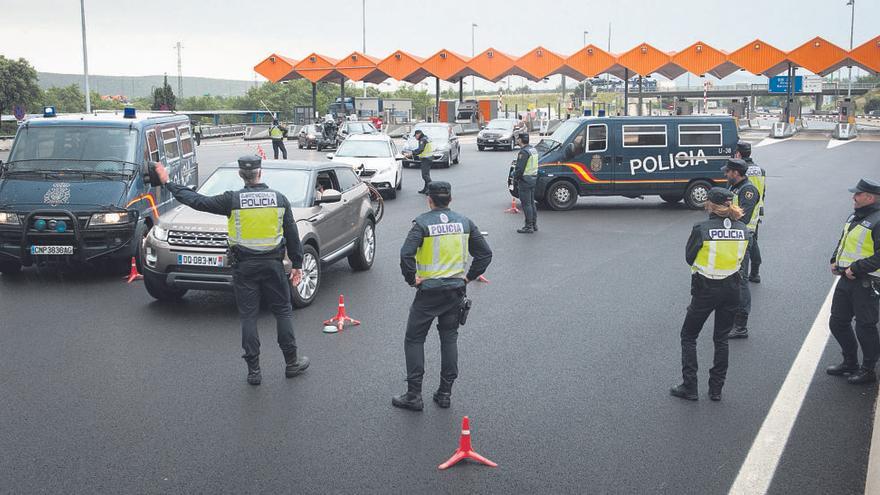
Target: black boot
pixel 443 395
pixel 294 364
pixel 683 392
pixel 411 400
pixel 754 276
pixel 527 229
pixel 847 367
pixel 535 226
pixel 254 377
pixel 740 327
pixel 714 394
pixel 863 376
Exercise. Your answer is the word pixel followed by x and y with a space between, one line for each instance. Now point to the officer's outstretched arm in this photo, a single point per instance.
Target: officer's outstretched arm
pixel 481 252
pixel 218 205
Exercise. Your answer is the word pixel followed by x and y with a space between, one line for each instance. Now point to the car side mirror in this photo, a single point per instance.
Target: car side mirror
pixel 399 157
pixel 329 156
pixel 151 177
pixel 569 151
pixel 329 196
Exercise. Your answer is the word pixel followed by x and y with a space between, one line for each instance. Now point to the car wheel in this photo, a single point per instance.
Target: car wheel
pixel 480 148
pixel 448 162
pixel 457 156
pixel 671 198
pixel 140 238
pixel 303 294
pixel 156 287
pixel 362 258
pixel 299 144
pixel 399 181
pixel 696 194
pixel 562 195
pixel 10 267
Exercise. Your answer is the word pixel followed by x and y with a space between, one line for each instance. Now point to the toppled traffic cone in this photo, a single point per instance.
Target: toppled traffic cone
pixel 133 273
pixel 464 449
pixel 482 279
pixel 341 317
pixel 513 208
pixel 261 152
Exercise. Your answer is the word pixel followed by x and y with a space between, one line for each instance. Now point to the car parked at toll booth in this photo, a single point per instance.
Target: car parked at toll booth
pixel 500 134
pixel 674 157
pixel 446 149
pixel 73 189
pixel 187 249
pixel 375 158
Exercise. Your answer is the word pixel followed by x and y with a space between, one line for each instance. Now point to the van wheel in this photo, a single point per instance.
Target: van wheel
pixel 671 198
pixel 10 267
pixel 562 195
pixel 365 252
pixel 157 288
pixel 303 294
pixel 696 194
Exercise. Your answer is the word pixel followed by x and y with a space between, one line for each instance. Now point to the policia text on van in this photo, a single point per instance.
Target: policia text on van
pixel 672 157
pixel 73 189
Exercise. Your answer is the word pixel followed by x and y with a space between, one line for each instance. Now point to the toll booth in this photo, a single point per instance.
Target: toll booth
pixel 448 110
pixel 468 112
pixel 845 128
pixel 683 107
pixel 488 110
pixel 787 128
pixel 303 115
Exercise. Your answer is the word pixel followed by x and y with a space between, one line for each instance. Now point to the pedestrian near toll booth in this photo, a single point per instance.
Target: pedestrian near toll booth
pixel 857 294
pixel 278 132
pixel 261 228
pixel 746 197
pixel 758 177
pixel 423 153
pixel 197 132
pixel 433 259
pixel 715 251
pixel 526 174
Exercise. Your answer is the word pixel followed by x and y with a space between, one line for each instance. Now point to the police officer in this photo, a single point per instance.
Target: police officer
pixel 197 132
pixel 526 174
pixel 433 259
pixel 277 133
pixel 746 196
pixel 261 227
pixel 715 251
pixel 758 177
pixel 423 153
pixel 857 295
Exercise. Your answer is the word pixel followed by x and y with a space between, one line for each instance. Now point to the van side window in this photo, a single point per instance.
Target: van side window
pixel 699 135
pixel 152 146
pixel 169 139
pixel 636 136
pixel 597 137
pixel 186 144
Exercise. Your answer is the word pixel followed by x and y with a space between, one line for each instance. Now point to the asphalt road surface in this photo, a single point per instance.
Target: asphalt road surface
pixel 566 361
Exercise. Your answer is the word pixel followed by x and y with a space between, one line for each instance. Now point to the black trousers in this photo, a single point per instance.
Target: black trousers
pixel 278 144
pixel 198 137
pixel 745 292
pixel 251 280
pixel 722 297
pixel 427 305
pixel 426 171
pixel 856 299
pixel 526 188
pixel 754 250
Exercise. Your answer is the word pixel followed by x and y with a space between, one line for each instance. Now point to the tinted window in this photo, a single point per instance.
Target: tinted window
pixel 347 179
pixel 72 147
pixel 152 146
pixel 186 144
pixel 644 135
pixel 597 137
pixel 169 138
pixel 363 149
pixel 699 135
pixel 293 184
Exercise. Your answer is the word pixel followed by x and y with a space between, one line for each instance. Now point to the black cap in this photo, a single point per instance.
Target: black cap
pixel 439 188
pixel 744 148
pixel 418 131
pixel 736 164
pixel 250 162
pixel 866 185
pixel 719 195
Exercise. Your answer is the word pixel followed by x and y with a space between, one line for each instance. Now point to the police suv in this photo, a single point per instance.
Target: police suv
pixel 73 190
pixel 676 157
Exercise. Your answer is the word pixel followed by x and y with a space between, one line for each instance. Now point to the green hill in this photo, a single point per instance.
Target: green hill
pixel 140 86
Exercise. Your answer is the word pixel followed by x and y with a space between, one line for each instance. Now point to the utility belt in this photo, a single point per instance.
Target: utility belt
pixel 235 256
pixel 700 280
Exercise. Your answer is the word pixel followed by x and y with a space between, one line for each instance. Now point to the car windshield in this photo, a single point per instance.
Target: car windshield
pixel 364 149
pixel 74 148
pixel 563 132
pixel 294 184
pixel 359 128
pixel 435 132
pixel 504 125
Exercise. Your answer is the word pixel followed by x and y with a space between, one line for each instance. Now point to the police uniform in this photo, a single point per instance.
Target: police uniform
pixel 747 197
pixel 436 251
pixel 858 250
pixel 277 132
pixel 715 251
pixel 260 229
pixel 526 175
pixel 423 153
pixel 197 132
pixel 758 177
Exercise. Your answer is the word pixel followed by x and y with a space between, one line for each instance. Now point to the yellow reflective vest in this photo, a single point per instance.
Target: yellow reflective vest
pixel 857 242
pixel 724 246
pixel 275 132
pixel 531 165
pixel 256 221
pixel 444 249
pixel 751 222
pixel 429 148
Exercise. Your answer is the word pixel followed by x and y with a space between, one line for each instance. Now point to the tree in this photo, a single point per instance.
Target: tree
pixel 579 89
pixel 18 84
pixel 872 104
pixel 68 99
pixel 163 98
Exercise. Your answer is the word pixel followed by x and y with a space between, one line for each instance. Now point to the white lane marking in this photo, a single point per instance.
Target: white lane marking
pixel 768 141
pixel 834 143
pixel 756 472
pixel 872 480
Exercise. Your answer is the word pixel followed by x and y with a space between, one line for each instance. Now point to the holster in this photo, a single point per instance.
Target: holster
pixel 464 310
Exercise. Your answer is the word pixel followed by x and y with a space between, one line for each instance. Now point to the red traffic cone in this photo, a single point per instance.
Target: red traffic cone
pixel 341 317
pixel 482 279
pixel 464 449
pixel 513 208
pixel 261 152
pixel 133 273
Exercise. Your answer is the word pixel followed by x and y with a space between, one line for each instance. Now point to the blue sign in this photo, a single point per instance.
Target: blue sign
pixel 779 84
pixel 18 111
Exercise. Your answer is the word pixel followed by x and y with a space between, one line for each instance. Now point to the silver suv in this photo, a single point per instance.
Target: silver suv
pixel 187 249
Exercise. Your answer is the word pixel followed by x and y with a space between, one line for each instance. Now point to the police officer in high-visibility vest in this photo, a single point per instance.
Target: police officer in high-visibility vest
pixel 525 173
pixel 758 177
pixel 714 250
pixel 197 132
pixel 857 295
pixel 278 132
pixel 423 153
pixel 746 197
pixel 260 229
pixel 433 259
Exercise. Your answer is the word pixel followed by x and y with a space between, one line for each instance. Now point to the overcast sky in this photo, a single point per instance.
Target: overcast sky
pixel 225 39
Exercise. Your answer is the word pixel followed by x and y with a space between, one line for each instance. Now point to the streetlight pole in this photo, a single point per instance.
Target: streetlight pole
pixel 473 52
pixel 852 23
pixel 364 24
pixel 82 11
pixel 584 100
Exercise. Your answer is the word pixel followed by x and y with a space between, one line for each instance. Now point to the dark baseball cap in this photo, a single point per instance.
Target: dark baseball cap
pixel 250 162
pixel 736 164
pixel 744 147
pixel 866 185
pixel 439 188
pixel 719 195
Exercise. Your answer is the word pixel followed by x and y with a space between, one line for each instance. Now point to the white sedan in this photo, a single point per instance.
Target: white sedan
pixel 375 158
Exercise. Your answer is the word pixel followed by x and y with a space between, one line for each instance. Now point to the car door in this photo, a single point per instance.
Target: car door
pixel 354 193
pixel 330 222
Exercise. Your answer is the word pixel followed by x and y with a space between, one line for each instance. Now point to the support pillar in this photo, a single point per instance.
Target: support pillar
pixel 314 102
pixel 437 100
pixel 640 96
pixel 626 91
pixel 342 94
pixel 461 89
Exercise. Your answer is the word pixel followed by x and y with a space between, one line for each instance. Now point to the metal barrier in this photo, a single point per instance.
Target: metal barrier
pixel 222 130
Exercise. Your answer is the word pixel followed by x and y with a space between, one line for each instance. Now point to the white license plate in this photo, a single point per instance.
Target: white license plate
pixel 200 259
pixel 490 140
pixel 510 187
pixel 51 250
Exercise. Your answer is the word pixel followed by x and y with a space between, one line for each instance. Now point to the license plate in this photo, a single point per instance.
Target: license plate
pixel 490 140
pixel 510 187
pixel 200 259
pixel 51 250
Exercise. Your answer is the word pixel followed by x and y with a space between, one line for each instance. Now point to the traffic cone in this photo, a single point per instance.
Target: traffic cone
pixel 341 317
pixel 133 273
pixel 261 152
pixel 464 449
pixel 513 208
pixel 482 279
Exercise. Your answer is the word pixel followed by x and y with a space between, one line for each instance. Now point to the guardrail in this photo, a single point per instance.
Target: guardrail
pixel 222 130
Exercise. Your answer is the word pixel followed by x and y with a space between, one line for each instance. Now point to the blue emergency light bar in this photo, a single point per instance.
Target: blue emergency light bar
pixel 129 113
pixel 48 111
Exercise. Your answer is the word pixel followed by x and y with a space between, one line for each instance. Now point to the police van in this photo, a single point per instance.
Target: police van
pixel 74 191
pixel 675 157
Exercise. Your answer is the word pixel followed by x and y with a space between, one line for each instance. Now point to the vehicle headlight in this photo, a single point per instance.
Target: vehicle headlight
pixel 114 218
pixel 7 218
pixel 160 233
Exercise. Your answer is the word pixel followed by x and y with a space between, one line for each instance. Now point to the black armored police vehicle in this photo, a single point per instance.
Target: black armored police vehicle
pixel 674 157
pixel 73 190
